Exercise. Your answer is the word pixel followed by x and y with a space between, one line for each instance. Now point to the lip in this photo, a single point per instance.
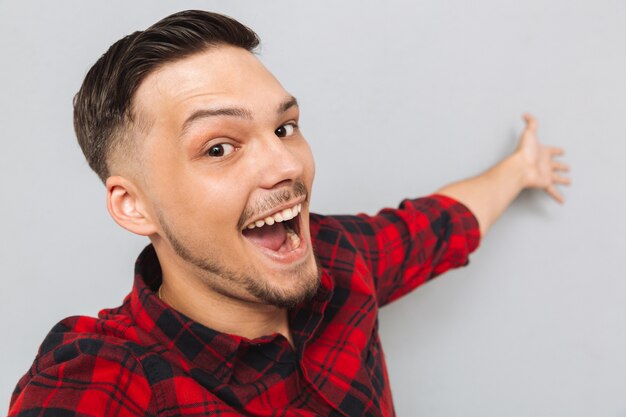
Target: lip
pixel 274 211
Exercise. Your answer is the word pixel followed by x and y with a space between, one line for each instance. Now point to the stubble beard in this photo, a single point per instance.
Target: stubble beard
pixel 307 276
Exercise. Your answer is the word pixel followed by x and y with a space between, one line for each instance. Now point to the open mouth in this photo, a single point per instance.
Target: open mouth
pixel 279 232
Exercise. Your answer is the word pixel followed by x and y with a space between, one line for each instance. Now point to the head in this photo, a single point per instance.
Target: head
pixel 200 150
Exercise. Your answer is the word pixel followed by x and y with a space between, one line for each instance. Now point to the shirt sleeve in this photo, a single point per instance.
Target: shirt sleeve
pixel 84 378
pixel 407 246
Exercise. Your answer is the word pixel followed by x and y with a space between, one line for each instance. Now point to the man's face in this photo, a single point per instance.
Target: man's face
pixel 223 162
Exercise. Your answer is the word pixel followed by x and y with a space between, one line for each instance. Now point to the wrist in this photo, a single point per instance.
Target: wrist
pixel 516 168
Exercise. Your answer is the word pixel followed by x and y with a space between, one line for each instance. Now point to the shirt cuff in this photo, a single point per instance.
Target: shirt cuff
pixel 467 218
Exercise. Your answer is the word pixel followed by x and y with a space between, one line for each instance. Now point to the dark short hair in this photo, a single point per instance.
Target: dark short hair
pixel 103 105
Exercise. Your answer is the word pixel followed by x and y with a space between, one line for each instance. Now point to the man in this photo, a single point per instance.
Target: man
pixel 244 303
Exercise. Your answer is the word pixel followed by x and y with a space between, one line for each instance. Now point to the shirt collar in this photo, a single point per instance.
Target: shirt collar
pixel 213 351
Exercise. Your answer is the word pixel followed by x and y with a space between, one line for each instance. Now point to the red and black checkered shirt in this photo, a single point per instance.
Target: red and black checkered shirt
pixel 146 359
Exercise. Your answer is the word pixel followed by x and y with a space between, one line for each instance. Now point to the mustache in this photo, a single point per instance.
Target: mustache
pixel 273 200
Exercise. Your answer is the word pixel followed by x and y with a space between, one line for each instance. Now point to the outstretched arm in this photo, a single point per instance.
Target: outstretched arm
pixel 532 165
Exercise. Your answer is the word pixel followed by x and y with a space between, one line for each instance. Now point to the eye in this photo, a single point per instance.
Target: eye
pixel 285 130
pixel 220 149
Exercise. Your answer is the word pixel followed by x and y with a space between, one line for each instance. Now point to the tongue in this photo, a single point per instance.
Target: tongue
pixel 271 237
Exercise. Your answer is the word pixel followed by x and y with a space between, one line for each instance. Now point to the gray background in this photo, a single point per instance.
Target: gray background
pixel 398 99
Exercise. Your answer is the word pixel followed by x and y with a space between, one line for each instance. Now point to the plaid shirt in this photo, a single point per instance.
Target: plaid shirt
pixel 146 359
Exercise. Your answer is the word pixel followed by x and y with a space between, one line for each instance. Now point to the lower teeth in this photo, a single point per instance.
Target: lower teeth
pixel 295 239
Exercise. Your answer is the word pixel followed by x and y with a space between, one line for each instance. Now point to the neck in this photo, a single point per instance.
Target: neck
pixel 192 297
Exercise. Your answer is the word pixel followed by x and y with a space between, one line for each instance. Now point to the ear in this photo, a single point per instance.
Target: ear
pixel 126 205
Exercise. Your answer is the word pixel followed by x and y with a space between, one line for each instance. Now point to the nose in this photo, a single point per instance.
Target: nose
pixel 278 163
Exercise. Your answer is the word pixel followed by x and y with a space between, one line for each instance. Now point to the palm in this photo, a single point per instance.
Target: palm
pixel 541 168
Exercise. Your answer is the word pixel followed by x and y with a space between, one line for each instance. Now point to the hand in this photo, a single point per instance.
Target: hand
pixel 540 168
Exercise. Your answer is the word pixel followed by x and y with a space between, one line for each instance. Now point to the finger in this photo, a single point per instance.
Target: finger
pixel 560 166
pixel 560 180
pixel 554 151
pixel 551 190
pixel 531 122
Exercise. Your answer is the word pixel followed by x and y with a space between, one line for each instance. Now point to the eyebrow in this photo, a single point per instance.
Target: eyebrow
pixel 287 104
pixel 237 112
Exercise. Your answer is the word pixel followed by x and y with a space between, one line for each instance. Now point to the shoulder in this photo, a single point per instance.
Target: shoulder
pixel 337 237
pixel 337 229
pixel 81 363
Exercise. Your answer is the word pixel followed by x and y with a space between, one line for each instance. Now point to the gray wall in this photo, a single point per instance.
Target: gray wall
pixel 397 100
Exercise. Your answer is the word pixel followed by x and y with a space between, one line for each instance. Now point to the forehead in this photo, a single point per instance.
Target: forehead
pixel 222 75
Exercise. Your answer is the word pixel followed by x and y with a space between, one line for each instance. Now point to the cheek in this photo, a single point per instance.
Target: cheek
pixel 197 203
pixel 213 204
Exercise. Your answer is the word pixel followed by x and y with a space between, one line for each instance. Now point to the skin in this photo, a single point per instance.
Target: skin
pixel 531 165
pixel 192 204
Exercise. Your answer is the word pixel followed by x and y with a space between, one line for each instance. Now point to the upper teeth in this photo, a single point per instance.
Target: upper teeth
pixel 281 216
